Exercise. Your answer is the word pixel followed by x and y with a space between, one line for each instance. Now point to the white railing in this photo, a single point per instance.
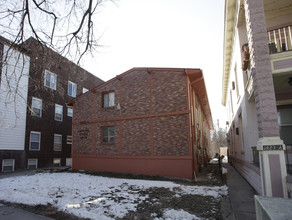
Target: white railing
pixel 280 39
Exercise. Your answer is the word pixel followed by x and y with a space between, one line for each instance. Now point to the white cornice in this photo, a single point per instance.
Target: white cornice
pixel 229 27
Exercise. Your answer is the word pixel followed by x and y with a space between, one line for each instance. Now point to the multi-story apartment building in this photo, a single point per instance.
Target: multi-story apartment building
pixel 153 121
pixel 257 90
pixel 36 124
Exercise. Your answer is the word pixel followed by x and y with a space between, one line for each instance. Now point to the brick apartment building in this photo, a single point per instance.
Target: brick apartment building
pixel 153 121
pixel 36 129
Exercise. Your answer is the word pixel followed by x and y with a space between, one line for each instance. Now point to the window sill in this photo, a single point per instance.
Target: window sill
pixel 108 143
pixel 111 107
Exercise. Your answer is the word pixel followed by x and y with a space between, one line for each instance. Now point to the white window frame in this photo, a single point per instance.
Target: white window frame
pixel 58 113
pixel 55 136
pixel 52 80
pixel 3 165
pixel 110 102
pixel 71 91
pixel 59 164
pixel 84 90
pixel 35 132
pixel 36 107
pixel 69 161
pixel 108 136
pixel 68 141
pixel 36 163
pixel 70 112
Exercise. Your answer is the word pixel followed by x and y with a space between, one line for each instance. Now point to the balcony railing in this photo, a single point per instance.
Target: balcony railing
pixel 280 39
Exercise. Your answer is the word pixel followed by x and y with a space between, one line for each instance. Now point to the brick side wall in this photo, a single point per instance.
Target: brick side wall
pixel 171 135
pixel 151 128
pixel 135 93
pixel 84 108
pixel 137 132
pixel 136 137
pixel 168 91
pixel 84 140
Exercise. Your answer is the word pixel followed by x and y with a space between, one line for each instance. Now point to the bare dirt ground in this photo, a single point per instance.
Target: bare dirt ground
pixel 205 207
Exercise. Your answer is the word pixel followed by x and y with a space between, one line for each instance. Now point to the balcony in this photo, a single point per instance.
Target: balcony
pixel 280 40
pixel 280 45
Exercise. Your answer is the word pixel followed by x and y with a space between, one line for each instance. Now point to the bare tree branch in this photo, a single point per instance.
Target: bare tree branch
pixel 67 27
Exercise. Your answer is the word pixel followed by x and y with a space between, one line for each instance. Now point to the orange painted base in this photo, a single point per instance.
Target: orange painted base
pixel 177 167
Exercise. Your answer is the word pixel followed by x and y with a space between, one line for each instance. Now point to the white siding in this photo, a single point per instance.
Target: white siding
pixel 13 99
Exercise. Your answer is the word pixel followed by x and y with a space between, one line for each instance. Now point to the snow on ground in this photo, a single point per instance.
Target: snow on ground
pixel 90 196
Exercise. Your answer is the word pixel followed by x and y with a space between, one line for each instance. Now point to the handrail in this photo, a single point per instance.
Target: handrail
pixel 280 39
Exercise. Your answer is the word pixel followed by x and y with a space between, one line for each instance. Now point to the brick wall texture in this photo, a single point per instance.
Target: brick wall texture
pixel 152 121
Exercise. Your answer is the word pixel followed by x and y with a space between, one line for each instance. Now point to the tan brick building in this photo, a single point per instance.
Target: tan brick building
pixel 257 92
pixel 153 121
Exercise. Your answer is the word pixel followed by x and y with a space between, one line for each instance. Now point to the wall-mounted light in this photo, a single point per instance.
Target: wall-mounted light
pixel 237 131
pixel 233 85
pixel 119 106
pixel 290 81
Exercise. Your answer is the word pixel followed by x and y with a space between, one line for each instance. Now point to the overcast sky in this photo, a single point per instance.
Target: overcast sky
pixel 163 33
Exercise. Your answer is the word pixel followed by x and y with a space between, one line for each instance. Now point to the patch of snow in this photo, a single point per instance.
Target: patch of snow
pixel 90 196
pixel 224 170
pixel 170 214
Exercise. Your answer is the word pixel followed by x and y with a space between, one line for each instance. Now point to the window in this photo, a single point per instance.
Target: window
pixel 69 162
pixel 236 82
pixel 32 164
pixel 69 112
pixel 84 90
pixel 57 162
pixel 108 134
pixel 50 79
pixel 57 142
pixel 108 99
pixel 72 87
pixel 58 112
pixel 35 140
pixel 8 165
pixel 36 107
pixel 69 139
pixel 285 123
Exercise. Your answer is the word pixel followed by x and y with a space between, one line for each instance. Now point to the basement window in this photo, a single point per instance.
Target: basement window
pixel 108 99
pixel 108 134
pixel 32 164
pixel 57 162
pixel 8 165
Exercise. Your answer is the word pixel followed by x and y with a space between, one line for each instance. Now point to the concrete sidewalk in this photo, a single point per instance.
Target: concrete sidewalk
pixel 8 213
pixel 240 205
